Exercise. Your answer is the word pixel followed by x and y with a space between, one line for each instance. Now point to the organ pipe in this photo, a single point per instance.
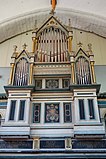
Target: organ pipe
pixel 52 46
pixel 21 73
pixel 82 71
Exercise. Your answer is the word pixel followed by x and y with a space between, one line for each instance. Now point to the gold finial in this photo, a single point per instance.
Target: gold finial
pixel 53 3
pixel 15 48
pixel 69 26
pixel 69 22
pixel 24 46
pixel 80 44
pixel 15 53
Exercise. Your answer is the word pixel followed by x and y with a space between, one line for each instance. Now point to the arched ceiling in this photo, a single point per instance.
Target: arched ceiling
pixel 18 16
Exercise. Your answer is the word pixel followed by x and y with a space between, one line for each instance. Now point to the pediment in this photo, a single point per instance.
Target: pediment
pixel 53 22
pixel 81 52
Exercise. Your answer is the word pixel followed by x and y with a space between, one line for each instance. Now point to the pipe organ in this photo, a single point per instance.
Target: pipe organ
pixel 52 101
pixel 52 46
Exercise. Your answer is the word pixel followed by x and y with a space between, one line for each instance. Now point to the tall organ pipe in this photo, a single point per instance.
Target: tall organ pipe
pixel 52 45
pixel 55 51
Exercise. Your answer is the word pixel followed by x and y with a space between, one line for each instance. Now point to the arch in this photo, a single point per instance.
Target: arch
pixel 21 72
pixel 82 71
pixel 80 20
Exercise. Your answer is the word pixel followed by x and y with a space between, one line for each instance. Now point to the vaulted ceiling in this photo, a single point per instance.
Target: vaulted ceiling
pixel 19 16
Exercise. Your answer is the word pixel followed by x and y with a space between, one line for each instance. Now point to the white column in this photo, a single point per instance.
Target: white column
pixel 17 110
pixel 96 111
pixel 61 116
pixel 73 112
pixel 76 106
pixel 60 83
pixel 86 109
pixel 43 83
pixel 8 110
pixel 27 108
pixel 42 115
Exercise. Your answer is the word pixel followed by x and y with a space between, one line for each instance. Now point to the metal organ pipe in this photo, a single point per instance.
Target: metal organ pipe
pixel 22 71
pixel 44 47
pixel 83 72
pixel 55 50
pixel 76 68
pixel 17 75
pixel 46 50
pixel 18 70
pixel 41 46
pixel 61 46
pixel 58 46
pixel 52 45
pixel 55 56
pixel 26 70
pixel 66 48
pixel 77 73
pixel 79 63
pixel 82 69
pixel 48 45
pixel 86 73
pixel 65 52
pixel 20 74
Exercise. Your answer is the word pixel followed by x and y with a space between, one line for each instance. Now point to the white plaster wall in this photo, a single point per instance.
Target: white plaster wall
pixel 102 112
pixel 6 48
pixel 98 45
pixel 4 78
pixel 9 9
pixel 17 7
pixel 101 77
